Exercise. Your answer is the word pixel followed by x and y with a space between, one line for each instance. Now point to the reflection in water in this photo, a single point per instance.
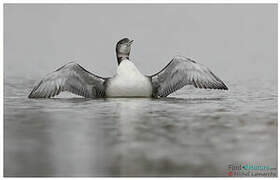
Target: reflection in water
pixel 147 139
pixel 131 113
pixel 195 134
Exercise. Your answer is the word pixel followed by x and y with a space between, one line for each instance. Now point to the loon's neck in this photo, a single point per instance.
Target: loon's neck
pixel 122 57
pixel 127 68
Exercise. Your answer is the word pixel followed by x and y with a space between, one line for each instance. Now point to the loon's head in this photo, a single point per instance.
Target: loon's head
pixel 123 49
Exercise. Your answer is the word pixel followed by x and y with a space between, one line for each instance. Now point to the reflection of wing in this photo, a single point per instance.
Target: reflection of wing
pixel 73 78
pixel 180 72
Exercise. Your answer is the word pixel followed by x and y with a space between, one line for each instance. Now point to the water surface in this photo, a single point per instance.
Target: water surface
pixel 191 133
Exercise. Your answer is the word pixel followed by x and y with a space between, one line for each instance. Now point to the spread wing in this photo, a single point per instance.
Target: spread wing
pixel 182 71
pixel 73 78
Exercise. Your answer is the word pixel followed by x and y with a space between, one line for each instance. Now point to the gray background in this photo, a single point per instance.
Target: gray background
pixel 238 42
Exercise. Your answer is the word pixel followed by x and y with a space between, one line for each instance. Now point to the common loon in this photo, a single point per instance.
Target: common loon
pixel 128 80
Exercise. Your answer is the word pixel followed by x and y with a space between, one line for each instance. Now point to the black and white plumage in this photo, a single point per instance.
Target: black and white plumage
pixel 128 81
pixel 182 71
pixel 70 77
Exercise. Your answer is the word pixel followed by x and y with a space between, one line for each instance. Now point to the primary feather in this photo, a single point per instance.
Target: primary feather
pixel 73 78
pixel 182 71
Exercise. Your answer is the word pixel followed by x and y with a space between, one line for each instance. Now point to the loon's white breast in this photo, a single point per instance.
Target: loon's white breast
pixel 128 82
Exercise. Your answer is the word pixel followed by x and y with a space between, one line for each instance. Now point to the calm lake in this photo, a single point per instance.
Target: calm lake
pixel 191 133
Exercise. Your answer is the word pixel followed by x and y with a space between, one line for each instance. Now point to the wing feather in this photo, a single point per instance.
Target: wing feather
pixel 181 71
pixel 73 78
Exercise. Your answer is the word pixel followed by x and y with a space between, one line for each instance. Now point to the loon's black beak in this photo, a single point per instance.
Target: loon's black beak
pixel 130 42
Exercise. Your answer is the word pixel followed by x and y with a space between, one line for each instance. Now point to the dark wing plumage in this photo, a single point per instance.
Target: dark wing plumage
pixel 182 71
pixel 73 78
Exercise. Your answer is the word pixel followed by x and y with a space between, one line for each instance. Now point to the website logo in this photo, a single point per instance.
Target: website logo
pixel 251 169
